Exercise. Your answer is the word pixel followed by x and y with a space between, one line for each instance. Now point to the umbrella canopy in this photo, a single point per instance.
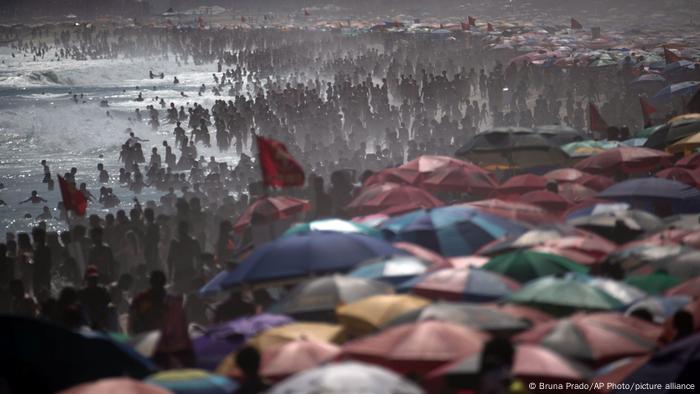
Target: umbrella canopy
pixel 38 356
pixel 563 296
pixel 656 283
pixel 270 209
pixel 690 177
pixel 391 199
pixel 522 184
pixel 564 175
pixel 401 176
pixel 531 364
pixel 461 284
pixel 595 339
pixel 115 385
pixel 628 160
pixel 690 288
pixel 651 188
pixel 391 269
pixel 623 292
pixel 555 203
pixel 296 356
pixel 461 179
pixel 316 299
pixel 477 316
pixel 522 312
pixel 581 149
pixel 647 132
pixel 193 381
pixel 367 315
pixel 687 144
pixel 559 134
pixel 516 211
pixel 337 225
pixel 619 225
pixel 218 341
pixel 674 131
pixel 690 161
pixel 294 331
pixel 677 363
pixel 346 378
pixel 314 253
pixel 422 253
pixel 416 347
pixel 450 231
pixel 428 164
pixel 524 266
pixel 682 89
pixel 661 308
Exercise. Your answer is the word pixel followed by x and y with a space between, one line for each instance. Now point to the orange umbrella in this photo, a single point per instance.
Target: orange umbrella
pixel 417 347
pixel 296 356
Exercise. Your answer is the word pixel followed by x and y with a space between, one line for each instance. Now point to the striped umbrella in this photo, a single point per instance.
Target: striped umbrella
pixel 461 284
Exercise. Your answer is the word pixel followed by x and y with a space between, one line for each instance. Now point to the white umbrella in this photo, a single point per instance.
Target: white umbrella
pixel 346 378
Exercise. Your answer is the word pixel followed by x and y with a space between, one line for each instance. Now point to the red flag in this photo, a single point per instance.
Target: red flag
pixel 278 166
pixel 670 56
pixel 73 199
pixel 576 24
pixel 595 121
pixel 647 110
pixel 465 25
pixel 472 21
pixel 489 27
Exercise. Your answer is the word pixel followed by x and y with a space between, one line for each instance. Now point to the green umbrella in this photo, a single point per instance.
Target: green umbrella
pixel 645 133
pixel 337 225
pixel 656 283
pixel 563 296
pixel 588 147
pixel 526 265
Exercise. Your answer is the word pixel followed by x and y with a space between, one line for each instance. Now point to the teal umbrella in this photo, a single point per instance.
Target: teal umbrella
pixel 656 283
pixel 336 225
pixel 564 296
pixel 526 265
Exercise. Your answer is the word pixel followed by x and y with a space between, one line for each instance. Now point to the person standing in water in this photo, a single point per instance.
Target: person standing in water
pixel 47 172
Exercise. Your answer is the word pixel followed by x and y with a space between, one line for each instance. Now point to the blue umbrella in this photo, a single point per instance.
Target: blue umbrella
pixel 223 339
pixel 391 269
pixel 685 198
pixel 676 364
pixel 682 89
pixel 214 285
pixel 307 254
pixel 647 78
pixel 452 230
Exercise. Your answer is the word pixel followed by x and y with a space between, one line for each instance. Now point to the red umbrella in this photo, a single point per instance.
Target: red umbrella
pixel 688 176
pixel 467 261
pixel 270 209
pixel 400 176
pixel 596 182
pixel 692 161
pixel 690 288
pixel 627 160
pixel 522 212
pixel 595 338
pixel 391 199
pixel 460 284
pixel 552 202
pixel 295 356
pixel 564 175
pixel 576 192
pixel 417 347
pixel 522 184
pixel 532 315
pixel 461 179
pixel 427 164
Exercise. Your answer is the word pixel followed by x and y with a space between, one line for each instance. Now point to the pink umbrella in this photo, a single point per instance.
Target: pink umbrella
pixel 270 209
pixel 295 356
pixel 461 179
pixel 427 164
pixel 522 184
pixel 627 160
pixel 519 211
pixel 552 202
pixel 422 253
pixel 391 199
pixel 400 176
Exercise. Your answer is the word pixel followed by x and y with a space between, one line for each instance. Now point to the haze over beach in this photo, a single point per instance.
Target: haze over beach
pixel 308 196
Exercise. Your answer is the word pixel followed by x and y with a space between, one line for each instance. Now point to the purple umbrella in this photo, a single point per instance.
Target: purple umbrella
pixel 223 339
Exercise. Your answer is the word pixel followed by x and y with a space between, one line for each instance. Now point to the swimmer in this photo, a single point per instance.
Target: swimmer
pixel 34 198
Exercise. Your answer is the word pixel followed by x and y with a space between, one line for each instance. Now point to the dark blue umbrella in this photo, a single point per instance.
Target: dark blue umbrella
pixel 41 357
pixel 682 89
pixel 223 339
pixel 307 254
pixel 677 364
pixel 685 198
pixel 451 231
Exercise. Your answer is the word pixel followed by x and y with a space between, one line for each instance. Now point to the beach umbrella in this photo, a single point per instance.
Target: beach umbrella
pixel 347 377
pixel 683 89
pixel 450 231
pixel 647 132
pixel 688 176
pixel 306 254
pixel 477 316
pixel 391 269
pixel 337 225
pixel 522 312
pixel 461 179
pixel 416 348
pixel 628 160
pixel 524 265
pixel 520 184
pixel 595 339
pixel 690 161
pixel 559 134
pixel 565 176
pixel 661 308
pixel 391 199
pixel 574 193
pixel 514 210
pixel 532 364
pixel 645 258
pixel 649 81
pixel 622 291
pixel 677 363
pixel 39 356
pixel 460 284
pixel 218 341
pixel 316 299
pixel 270 209
pixel 687 144
pixel 554 203
pixel 193 381
pixel 435 259
pixel 279 335
pixel 115 385
pixel 618 225
pixel 429 164
pixel 401 176
pixel 367 315
pixel 674 130
pixel 655 283
pixel 617 371
pixel 690 288
pixel 282 361
pixel 563 296
pixel 467 261
pixel 580 149
pixel 651 187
